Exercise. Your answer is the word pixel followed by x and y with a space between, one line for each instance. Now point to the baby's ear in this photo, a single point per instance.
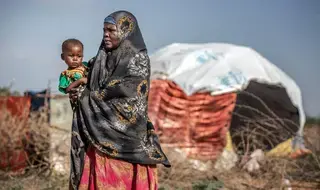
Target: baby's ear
pixel 62 56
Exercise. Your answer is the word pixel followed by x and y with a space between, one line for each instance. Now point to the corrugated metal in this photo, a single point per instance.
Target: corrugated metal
pixel 196 124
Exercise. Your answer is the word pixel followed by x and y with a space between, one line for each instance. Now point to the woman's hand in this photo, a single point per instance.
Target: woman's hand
pixel 77 83
pixel 84 80
pixel 77 93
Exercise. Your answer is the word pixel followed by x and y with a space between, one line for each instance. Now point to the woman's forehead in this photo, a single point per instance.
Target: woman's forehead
pixel 110 26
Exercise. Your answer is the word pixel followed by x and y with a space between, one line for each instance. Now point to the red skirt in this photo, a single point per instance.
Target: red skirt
pixel 102 172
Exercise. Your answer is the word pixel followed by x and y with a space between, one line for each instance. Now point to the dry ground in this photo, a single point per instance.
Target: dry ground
pixel 303 173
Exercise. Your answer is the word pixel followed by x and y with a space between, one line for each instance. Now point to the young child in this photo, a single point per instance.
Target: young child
pixel 76 73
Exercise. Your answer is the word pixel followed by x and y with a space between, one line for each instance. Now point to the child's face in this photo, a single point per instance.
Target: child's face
pixel 73 56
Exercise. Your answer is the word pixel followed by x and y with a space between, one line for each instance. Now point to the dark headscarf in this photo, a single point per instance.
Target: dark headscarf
pixel 130 38
pixel 112 111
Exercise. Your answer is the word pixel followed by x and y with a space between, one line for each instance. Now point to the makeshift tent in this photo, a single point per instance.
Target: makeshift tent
pixel 201 91
pixel 196 124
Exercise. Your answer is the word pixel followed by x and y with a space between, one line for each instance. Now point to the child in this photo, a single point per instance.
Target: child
pixel 76 74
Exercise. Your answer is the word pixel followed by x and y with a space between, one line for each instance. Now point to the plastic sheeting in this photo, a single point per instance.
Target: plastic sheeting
pixel 196 124
pixel 220 68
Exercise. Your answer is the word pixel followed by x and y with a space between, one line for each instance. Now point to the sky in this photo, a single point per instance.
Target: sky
pixel 285 32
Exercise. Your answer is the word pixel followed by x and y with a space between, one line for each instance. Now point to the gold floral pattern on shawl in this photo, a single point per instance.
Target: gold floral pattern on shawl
pixel 110 148
pixel 142 88
pixel 155 154
pixel 113 82
pixel 125 26
pixel 129 118
pixel 125 121
pixel 100 95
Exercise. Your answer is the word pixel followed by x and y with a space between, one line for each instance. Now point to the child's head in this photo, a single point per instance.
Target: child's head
pixel 72 53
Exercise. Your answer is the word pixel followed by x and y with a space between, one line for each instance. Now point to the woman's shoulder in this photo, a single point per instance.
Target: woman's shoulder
pixel 143 52
pixel 141 55
pixel 92 59
pixel 90 62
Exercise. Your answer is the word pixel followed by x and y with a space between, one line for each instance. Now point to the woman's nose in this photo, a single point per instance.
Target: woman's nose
pixel 106 34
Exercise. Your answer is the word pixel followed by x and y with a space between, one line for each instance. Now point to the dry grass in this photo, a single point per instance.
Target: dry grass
pixel 41 174
pixel 303 173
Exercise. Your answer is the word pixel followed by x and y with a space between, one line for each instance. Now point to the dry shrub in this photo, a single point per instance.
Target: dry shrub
pixel 262 130
pixel 29 136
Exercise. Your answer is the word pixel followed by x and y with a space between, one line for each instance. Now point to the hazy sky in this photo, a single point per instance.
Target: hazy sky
pixel 286 32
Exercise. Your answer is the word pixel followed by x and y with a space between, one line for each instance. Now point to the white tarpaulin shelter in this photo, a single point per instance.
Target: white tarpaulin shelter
pixel 220 68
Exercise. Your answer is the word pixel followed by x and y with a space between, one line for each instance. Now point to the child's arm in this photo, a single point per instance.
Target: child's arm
pixel 76 84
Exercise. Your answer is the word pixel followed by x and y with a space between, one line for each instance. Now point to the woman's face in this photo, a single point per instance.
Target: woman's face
pixel 110 36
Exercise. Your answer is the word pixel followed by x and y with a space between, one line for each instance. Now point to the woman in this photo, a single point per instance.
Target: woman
pixel 113 144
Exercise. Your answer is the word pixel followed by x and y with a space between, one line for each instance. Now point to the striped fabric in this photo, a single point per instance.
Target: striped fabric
pixel 196 124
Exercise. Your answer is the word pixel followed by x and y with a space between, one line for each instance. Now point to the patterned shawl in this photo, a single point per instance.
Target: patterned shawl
pixel 112 111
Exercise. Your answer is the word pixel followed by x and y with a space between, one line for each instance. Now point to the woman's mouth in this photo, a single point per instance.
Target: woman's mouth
pixel 106 41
